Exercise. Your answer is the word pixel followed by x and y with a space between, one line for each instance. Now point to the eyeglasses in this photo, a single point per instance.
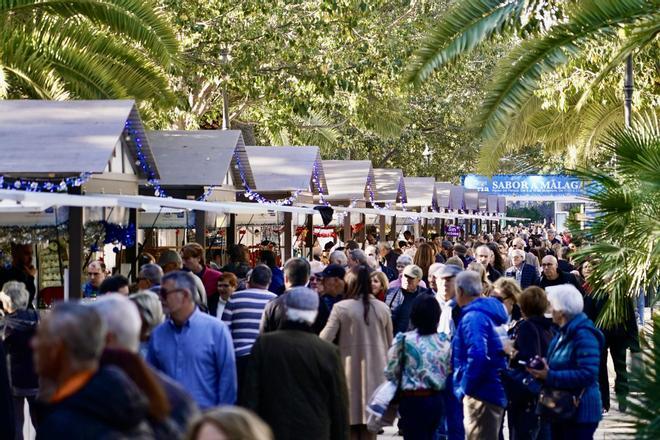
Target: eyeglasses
pixel 164 292
pixel 547 265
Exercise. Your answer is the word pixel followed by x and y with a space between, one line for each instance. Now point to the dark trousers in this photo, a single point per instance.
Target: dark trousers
pixel 241 367
pixel 575 431
pixel 617 348
pixel 523 422
pixel 420 416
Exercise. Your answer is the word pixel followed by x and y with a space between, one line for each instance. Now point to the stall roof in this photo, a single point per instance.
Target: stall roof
pixel 286 168
pixel 200 157
pixel 442 194
pixel 347 179
pixel 388 185
pixel 420 191
pixel 67 137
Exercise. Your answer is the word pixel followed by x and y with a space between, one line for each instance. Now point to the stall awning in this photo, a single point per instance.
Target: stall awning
pixel 200 157
pixel 420 191
pixel 283 169
pixel 68 137
pixel 347 179
pixel 389 185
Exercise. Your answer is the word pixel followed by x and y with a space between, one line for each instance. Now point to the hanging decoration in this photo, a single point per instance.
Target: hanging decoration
pixel 133 135
pixel 372 198
pixel 254 195
pixel 357 227
pixel 317 183
pixel 102 232
pixel 31 234
pixel 44 185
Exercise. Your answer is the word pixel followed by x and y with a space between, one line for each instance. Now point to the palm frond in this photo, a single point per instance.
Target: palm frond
pixel 466 25
pixel 518 74
pixel 317 129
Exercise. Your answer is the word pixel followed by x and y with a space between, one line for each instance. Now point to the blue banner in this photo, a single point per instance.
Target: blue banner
pixel 526 185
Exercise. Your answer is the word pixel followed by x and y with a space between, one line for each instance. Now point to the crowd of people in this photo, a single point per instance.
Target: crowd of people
pixel 473 334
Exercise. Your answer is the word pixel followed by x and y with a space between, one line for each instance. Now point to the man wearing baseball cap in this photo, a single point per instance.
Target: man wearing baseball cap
pixel 334 287
pixel 400 299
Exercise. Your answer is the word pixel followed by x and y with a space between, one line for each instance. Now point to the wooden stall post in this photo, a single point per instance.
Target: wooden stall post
pixel 382 222
pixel 288 235
pixel 309 238
pixel 348 232
pixel 200 228
pixel 75 252
pixel 132 252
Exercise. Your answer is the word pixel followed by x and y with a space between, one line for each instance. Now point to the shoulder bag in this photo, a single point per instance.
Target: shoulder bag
pixel 384 402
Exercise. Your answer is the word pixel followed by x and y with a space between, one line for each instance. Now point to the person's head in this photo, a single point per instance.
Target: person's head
pixel 519 243
pixel 260 277
pixel 586 269
pixel 384 248
pixel 549 266
pixel 435 267
pixel 356 257
pixel 230 423
pixel 455 261
pixel 358 281
pixel 402 261
pixel 150 309
pixel 115 284
pixel 533 301
pixel 371 251
pixel 96 273
pixel 402 244
pixel 217 257
pixel 192 256
pixel 507 290
pixel 425 314
pixel 379 282
pixel 227 284
pixel 407 235
pixel 566 303
pixel 176 293
pixel 338 257
pixel 238 253
pixel 170 260
pixel 18 295
pixel 460 250
pixel 518 257
pixel 302 305
pixel 447 248
pixel 446 280
pixel 150 275
pixel 483 275
pixel 122 321
pixel 412 275
pixel 267 257
pixel 502 248
pixel 351 245
pixel 484 255
pixel 424 257
pixel 22 255
pixel 296 272
pixel 145 258
pixel 332 279
pixel 468 287
pixel 551 235
pixel 68 340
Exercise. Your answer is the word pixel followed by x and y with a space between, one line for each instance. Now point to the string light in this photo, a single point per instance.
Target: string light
pixel 254 195
pixel 317 183
pixel 134 135
pixel 45 186
pixel 372 199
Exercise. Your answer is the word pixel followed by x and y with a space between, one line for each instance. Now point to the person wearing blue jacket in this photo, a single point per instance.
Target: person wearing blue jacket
pixel 477 359
pixel 573 362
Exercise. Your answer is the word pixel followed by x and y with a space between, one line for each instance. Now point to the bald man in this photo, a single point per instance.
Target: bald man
pixel 96 274
pixel 552 276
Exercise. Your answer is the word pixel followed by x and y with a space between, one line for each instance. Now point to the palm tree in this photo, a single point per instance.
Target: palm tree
pixel 570 26
pixel 86 49
pixel 624 236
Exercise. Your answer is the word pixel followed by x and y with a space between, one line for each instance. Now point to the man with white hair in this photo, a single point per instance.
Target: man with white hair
pixel 338 257
pixel 295 380
pixel 478 358
pixel 530 258
pixel 524 273
pixel 387 255
pixel 124 328
pixel 485 257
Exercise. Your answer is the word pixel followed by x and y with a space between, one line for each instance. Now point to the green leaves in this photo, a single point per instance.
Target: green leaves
pixel 55 49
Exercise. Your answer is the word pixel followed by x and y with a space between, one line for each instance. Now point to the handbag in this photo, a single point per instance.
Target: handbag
pixel 555 404
pixel 384 402
pixel 520 387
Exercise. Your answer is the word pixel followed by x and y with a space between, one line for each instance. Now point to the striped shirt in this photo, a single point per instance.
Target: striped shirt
pixel 242 315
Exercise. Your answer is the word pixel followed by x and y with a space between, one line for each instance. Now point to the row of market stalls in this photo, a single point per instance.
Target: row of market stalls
pixel 83 180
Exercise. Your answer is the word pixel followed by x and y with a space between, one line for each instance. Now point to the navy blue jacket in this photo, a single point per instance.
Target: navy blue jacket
pixel 477 354
pixel 529 277
pixel 574 359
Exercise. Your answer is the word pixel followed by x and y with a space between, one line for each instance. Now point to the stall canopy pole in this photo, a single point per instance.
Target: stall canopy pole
pixel 231 231
pixel 75 252
pixel 348 233
pixel 132 252
pixel 393 232
pixel 309 238
pixel 200 229
pixel 382 222
pixel 288 235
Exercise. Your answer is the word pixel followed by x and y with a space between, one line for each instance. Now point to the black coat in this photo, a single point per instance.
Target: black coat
pixel 7 424
pixel 18 274
pixel 20 327
pixel 564 278
pixel 109 406
pixel 295 382
pixel 532 337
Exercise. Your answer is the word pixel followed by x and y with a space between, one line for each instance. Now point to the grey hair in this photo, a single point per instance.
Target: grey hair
pixel 297 271
pixel 338 257
pixel 518 252
pixel 17 293
pixel 385 245
pixel 359 256
pixel 370 250
pixel 150 308
pixel 565 298
pixel 80 328
pixel 404 259
pixel 122 318
pixel 182 280
pixel 261 275
pixel 483 246
pixel 152 272
pixel 469 283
